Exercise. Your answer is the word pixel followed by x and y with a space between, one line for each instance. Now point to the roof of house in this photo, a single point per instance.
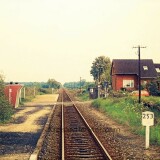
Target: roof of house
pixel 130 66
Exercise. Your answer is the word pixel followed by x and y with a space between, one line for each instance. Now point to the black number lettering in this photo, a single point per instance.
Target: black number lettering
pixel 144 116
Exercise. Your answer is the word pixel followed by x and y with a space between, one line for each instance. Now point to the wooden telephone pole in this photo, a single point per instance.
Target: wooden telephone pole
pixel 139 72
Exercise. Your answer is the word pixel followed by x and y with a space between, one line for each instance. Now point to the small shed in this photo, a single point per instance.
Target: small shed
pixel 13 93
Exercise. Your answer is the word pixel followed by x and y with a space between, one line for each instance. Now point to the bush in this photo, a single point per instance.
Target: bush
pixel 153 89
pixel 84 96
pixel 118 94
pixel 96 103
pixel 45 90
pixel 6 109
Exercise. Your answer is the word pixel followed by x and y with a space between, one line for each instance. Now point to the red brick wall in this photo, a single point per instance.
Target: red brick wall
pixel 117 81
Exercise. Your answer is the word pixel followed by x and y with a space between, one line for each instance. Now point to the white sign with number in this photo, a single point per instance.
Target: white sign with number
pixel 147 118
pixel 91 90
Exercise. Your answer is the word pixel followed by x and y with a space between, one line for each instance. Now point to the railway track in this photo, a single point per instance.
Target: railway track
pixel 76 139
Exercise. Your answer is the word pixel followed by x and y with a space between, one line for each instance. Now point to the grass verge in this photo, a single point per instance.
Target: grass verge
pixel 128 112
pixel 83 96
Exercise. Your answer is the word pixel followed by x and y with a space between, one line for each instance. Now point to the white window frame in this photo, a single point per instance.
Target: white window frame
pixel 144 82
pixel 158 70
pixel 145 68
pixel 128 83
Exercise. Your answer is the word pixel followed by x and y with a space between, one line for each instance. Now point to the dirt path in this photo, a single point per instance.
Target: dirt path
pixel 48 99
pixel 19 138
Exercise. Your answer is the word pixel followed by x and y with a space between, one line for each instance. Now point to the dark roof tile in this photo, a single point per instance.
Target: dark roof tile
pixel 130 66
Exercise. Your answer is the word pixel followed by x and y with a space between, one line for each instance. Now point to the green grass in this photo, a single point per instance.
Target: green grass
pixel 128 112
pixel 26 99
pixel 83 96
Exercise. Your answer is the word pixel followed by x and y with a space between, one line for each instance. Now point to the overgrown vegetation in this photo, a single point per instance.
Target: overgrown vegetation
pixel 83 96
pixel 79 84
pixel 153 89
pixel 51 83
pixel 31 92
pixel 100 69
pixel 38 88
pixel 127 111
pixel 6 110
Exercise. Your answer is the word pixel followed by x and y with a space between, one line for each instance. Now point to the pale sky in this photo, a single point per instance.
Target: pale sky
pixel 42 39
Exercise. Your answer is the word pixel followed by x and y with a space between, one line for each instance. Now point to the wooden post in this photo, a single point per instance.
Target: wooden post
pixel 34 91
pixel 24 92
pixel 147 137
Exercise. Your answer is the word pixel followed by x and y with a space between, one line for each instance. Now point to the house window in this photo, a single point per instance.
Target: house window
pixel 128 83
pixel 144 82
pixel 158 70
pixel 145 68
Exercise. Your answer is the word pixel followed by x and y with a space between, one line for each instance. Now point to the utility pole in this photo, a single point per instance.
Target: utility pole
pixel 24 92
pixel 139 72
pixel 34 91
pixel 98 85
pixel 99 79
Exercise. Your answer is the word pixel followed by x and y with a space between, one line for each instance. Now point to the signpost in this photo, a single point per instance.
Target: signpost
pixel 105 88
pixel 91 90
pixel 99 91
pixel 147 120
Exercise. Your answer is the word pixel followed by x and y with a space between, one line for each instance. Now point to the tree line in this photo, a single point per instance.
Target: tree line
pixel 83 84
pixel 51 83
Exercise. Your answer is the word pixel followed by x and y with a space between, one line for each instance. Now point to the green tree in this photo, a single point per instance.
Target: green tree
pixel 54 84
pixel 153 88
pixel 100 69
pixel 1 85
pixel 6 109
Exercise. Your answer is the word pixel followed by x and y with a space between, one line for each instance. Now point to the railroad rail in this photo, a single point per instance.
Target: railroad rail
pixel 78 139
pixel 69 136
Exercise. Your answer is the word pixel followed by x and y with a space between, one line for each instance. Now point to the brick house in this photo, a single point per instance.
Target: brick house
pixel 124 73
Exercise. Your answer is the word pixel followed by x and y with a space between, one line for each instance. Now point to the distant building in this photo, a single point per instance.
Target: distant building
pixel 124 73
pixel 12 92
